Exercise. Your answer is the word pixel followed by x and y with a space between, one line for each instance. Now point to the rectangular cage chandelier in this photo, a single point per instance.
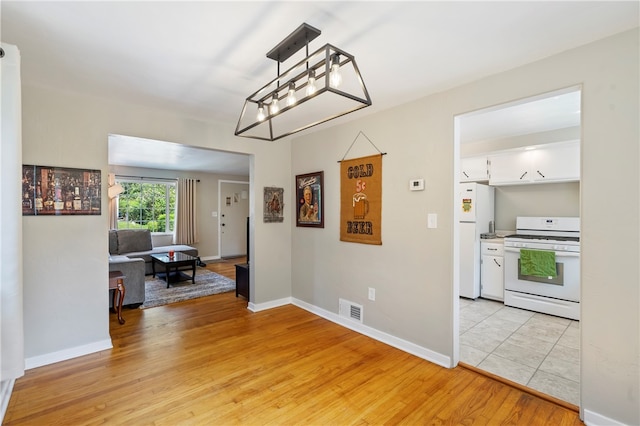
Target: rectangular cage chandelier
pixel 324 85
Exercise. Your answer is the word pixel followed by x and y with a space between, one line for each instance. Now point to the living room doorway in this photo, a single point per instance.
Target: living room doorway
pixel 234 210
pixel 150 158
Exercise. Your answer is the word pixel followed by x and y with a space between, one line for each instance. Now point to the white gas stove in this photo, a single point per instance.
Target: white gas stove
pixel 556 294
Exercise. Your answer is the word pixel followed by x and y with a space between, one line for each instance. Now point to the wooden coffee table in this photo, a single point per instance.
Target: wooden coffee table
pixel 178 263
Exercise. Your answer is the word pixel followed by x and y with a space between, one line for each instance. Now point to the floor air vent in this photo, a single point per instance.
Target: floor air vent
pixel 350 310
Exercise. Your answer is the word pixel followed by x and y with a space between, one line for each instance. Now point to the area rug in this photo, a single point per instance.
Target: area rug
pixel 207 283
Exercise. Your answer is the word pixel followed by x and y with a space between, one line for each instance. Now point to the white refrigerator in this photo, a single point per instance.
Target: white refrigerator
pixel 476 204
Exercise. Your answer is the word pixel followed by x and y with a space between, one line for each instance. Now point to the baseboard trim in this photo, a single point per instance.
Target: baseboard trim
pixel 210 258
pixel 253 307
pixel 595 419
pixel 396 342
pixel 65 354
pixel 6 388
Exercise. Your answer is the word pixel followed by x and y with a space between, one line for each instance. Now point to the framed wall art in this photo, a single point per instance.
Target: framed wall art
pixel 57 191
pixel 273 205
pixel 310 195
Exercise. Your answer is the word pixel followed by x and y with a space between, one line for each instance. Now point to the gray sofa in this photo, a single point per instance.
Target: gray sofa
pixel 137 243
pixel 130 252
pixel 133 270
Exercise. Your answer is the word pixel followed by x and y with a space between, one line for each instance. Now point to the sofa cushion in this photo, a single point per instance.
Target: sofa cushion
pixel 113 241
pixel 115 258
pixel 134 240
pixel 134 284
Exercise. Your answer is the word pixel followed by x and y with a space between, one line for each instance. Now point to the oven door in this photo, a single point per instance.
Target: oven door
pixel 565 286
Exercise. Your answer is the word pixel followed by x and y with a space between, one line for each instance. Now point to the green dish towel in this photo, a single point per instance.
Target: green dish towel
pixel 538 263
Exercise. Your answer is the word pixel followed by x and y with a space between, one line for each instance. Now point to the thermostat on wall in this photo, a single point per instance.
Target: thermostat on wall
pixel 416 184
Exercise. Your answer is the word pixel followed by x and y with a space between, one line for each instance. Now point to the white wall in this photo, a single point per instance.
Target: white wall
pixel 413 269
pixel 65 275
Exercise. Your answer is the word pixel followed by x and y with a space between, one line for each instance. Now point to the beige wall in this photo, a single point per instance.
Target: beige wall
pixel 550 199
pixel 413 271
pixel 65 274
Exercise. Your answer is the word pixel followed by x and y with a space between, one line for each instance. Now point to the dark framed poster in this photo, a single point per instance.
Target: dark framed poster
pixel 310 194
pixel 57 191
pixel 273 205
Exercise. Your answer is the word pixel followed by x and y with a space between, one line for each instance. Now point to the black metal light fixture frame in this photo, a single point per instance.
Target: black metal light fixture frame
pixel 275 124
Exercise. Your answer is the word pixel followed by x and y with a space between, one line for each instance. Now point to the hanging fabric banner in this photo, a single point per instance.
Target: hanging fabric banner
pixel 361 200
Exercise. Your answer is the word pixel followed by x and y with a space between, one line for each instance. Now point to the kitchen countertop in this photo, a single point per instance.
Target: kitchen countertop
pixel 499 237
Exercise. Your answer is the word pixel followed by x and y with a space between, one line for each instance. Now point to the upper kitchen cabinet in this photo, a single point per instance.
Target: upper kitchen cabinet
pixel 474 169
pixel 558 162
pixel 554 162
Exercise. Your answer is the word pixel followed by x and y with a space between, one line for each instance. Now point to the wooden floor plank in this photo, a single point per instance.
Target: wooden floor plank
pixel 212 361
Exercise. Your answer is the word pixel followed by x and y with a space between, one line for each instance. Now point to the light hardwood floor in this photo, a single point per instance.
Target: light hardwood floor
pixel 210 361
pixel 226 267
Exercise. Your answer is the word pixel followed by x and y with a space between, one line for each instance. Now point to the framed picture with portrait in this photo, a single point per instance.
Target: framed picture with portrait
pixel 273 205
pixel 310 196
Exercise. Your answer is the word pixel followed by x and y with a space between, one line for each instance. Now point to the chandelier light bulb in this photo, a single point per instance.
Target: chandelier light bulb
pixel 274 104
pixel 311 83
pixel 260 116
pixel 335 78
pixel 291 96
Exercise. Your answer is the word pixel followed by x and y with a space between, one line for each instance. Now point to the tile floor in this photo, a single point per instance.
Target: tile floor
pixel 536 350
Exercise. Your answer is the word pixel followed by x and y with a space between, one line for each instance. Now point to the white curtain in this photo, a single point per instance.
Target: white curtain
pixel 114 190
pixel 11 315
pixel 113 213
pixel 186 226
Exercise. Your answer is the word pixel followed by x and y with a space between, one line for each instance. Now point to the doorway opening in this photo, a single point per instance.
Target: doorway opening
pixel 530 348
pixel 149 158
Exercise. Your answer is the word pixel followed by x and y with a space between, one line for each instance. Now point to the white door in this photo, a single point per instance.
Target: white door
pixel 234 210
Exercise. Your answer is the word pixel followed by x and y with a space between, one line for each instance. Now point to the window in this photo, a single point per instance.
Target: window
pixel 145 205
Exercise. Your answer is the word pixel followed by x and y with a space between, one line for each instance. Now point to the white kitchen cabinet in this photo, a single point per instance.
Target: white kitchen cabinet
pixel 554 162
pixel 509 168
pixel 492 270
pixel 474 169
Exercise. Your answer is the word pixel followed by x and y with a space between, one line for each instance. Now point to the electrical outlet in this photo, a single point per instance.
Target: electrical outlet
pixel 372 293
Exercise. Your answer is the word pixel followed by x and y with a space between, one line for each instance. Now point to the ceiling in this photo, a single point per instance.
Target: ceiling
pixel 542 113
pixel 203 58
